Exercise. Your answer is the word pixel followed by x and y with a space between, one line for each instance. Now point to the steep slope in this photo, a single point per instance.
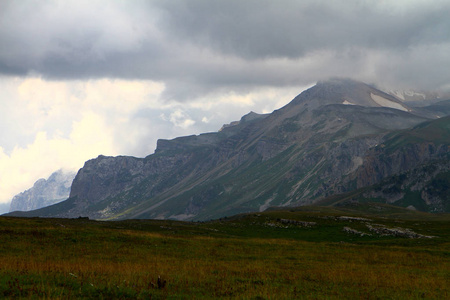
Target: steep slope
pixel 44 192
pixel 323 142
pixel 427 185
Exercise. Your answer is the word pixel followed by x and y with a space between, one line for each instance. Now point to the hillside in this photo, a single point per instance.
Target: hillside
pixel 425 187
pixel 336 137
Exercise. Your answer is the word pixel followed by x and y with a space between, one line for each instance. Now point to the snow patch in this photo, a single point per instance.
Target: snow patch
pixel 404 94
pixel 387 103
pixel 399 94
pixel 347 103
pixel 413 93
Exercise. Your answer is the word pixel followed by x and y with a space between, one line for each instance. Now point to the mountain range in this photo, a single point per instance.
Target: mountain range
pixel 337 143
pixel 45 192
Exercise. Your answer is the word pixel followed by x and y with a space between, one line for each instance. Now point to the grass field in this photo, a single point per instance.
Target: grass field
pixel 309 253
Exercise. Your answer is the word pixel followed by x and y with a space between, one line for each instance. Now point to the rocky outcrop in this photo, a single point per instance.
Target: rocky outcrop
pixel 44 192
pixel 108 177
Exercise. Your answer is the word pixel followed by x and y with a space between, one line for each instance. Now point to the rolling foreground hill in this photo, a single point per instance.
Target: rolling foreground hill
pixel 337 137
pixel 368 251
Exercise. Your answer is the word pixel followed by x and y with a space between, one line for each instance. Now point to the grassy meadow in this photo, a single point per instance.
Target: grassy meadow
pixel 308 253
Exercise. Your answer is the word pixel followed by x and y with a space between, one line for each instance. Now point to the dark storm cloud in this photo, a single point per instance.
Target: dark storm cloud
pixel 255 28
pixel 200 46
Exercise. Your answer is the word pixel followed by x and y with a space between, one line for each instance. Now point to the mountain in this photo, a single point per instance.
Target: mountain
pixel 44 192
pixel 336 137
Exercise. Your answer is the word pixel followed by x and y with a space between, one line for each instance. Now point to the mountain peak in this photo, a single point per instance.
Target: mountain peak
pixel 349 92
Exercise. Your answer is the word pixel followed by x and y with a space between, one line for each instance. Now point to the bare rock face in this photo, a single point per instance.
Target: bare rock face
pixel 44 192
pixel 108 177
pixel 379 164
pixel 335 137
pixel 425 186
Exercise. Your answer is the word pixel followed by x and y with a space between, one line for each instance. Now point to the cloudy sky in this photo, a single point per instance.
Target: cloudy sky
pixel 83 78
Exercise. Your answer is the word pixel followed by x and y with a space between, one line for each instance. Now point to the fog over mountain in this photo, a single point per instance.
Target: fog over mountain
pixel 84 78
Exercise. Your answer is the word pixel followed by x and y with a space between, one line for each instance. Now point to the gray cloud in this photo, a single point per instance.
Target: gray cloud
pixel 294 28
pixel 197 47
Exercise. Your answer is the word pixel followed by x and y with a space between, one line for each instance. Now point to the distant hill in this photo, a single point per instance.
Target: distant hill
pixel 44 192
pixel 336 137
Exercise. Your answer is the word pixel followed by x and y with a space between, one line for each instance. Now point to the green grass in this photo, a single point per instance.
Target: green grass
pixel 436 131
pixel 249 256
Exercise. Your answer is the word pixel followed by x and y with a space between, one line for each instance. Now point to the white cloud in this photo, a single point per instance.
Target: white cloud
pixel 231 105
pixel 20 169
pixel 181 119
pixel 34 104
